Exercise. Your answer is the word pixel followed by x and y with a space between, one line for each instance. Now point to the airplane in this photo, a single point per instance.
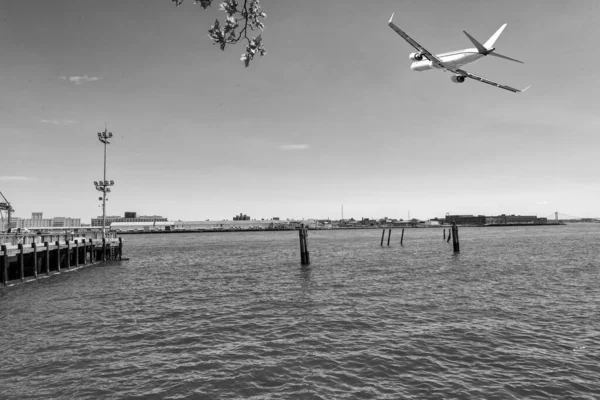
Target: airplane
pixel 454 60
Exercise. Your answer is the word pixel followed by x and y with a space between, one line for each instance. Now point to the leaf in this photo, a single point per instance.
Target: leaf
pixel 204 3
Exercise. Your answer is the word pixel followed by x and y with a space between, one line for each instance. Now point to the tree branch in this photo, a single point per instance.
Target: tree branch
pixel 245 16
pixel 227 35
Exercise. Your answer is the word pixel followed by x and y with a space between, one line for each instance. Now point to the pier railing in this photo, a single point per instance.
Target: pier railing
pixel 13 239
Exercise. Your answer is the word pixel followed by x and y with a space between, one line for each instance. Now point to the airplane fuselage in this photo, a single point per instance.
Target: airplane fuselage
pixel 452 59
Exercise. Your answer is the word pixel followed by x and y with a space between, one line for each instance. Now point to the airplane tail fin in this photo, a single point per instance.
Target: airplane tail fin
pixel 490 43
pixel 488 47
pixel 481 48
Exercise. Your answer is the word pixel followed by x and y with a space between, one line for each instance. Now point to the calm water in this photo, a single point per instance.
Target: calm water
pixel 234 315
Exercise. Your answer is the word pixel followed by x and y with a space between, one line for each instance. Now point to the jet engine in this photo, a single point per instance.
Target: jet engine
pixel 416 56
pixel 458 78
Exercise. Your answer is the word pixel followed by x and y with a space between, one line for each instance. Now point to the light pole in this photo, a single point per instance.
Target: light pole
pixel 104 185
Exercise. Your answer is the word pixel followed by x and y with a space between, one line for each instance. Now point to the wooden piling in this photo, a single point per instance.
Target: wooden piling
pixel 47 258
pixel 120 248
pixel 449 235
pixel 455 242
pixel 58 255
pixel 382 236
pixel 21 261
pixel 35 259
pixel 402 237
pixel 389 236
pixel 301 236
pixel 68 254
pixel 444 233
pixel 4 265
pixel 92 251
pixel 306 253
pixel 76 253
pixel 103 249
pixel 84 251
pixel 86 247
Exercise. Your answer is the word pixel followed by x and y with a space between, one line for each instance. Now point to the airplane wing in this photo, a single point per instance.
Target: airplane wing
pixel 430 56
pixel 481 79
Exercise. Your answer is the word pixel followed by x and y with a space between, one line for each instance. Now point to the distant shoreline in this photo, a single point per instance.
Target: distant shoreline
pixel 325 229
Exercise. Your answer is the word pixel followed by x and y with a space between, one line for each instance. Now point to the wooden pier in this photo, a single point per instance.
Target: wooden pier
pixel 28 257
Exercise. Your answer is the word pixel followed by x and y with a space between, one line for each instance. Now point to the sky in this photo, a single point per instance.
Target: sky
pixel 332 116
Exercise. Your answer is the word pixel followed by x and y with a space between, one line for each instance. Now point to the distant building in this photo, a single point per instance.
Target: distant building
pixel 66 222
pixel 15 222
pixel 465 219
pixel 241 217
pixel 515 219
pixel 130 214
pixel 37 221
pixel 116 218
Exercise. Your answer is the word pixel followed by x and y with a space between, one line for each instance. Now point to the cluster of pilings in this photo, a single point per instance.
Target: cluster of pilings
pixel 23 262
pixel 390 236
pixel 453 234
pixel 305 259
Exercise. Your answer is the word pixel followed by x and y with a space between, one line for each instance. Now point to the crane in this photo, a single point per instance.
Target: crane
pixel 5 206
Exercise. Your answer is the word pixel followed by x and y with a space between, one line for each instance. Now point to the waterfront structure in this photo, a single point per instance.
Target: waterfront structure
pixel 148 226
pixel 26 257
pixel 504 219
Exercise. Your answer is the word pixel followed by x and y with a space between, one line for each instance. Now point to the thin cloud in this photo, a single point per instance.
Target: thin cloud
pixel 58 121
pixel 78 80
pixel 294 147
pixel 542 202
pixel 16 178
